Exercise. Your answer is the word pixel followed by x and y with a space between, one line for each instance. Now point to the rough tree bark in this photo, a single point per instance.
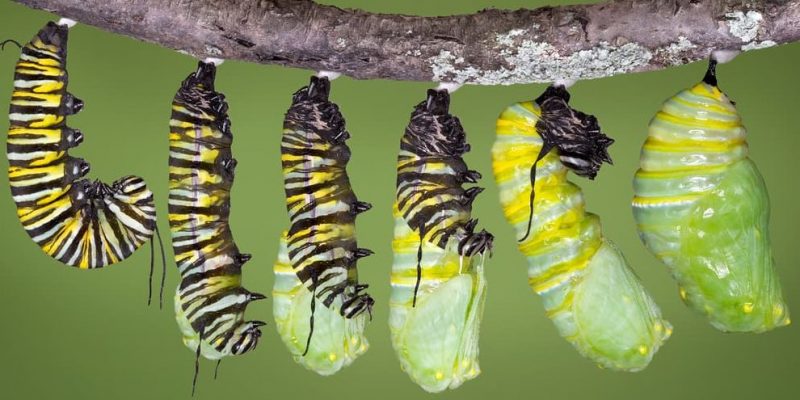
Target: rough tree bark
pixel 489 47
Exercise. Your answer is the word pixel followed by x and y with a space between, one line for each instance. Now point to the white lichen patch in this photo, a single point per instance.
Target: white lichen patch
pixel 213 50
pixel 673 54
pixel 533 61
pixel 341 43
pixel 507 39
pixel 744 25
pixel 758 45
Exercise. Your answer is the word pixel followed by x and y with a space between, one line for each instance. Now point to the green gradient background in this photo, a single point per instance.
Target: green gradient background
pixel 72 334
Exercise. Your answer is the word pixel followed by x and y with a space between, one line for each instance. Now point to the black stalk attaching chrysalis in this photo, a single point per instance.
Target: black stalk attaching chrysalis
pixel 576 136
pixel 711 73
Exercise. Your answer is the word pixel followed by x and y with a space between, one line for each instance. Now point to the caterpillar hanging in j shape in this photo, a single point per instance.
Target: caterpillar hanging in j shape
pixel 318 254
pixel 210 301
pixel 702 208
pixel 596 302
pixel 438 285
pixel 80 223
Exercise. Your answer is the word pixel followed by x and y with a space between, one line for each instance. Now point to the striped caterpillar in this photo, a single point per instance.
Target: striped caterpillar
pixel 318 254
pixel 596 302
pixel 210 301
pixel 438 286
pixel 702 208
pixel 80 223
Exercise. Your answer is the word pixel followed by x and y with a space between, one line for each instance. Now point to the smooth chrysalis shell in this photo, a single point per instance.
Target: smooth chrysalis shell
pixel 702 208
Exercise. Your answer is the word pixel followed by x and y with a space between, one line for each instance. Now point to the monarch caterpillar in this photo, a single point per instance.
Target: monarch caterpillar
pixel 318 253
pixel 80 223
pixel 702 208
pixel 596 302
pixel 438 286
pixel 210 301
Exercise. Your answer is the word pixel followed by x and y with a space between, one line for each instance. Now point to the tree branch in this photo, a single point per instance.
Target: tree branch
pixel 489 47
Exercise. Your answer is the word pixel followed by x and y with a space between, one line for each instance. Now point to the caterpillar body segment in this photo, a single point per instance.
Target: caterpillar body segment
pixel 210 301
pixel 80 223
pixel 438 284
pixel 321 314
pixel 702 208
pixel 596 302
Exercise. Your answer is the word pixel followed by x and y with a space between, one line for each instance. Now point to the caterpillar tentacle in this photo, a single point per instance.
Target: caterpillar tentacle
pixel 210 301
pixel 438 288
pixel 702 208
pixel 596 302
pixel 319 251
pixel 79 223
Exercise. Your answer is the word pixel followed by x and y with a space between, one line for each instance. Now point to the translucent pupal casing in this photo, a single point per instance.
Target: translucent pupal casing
pixel 593 297
pixel 702 208
pixel 337 340
pixel 436 340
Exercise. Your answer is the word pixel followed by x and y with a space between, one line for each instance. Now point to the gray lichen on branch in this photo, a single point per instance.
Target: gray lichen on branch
pixel 489 47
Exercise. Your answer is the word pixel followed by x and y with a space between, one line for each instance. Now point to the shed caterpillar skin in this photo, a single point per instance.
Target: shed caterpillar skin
pixel 210 301
pixel 702 208
pixel 317 262
pixel 80 223
pixel 438 286
pixel 596 302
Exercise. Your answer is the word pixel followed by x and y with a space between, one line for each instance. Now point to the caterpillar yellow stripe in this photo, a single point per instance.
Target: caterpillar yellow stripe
pixel 80 223
pixel 596 302
pixel 702 208
pixel 319 252
pixel 210 301
pixel 438 285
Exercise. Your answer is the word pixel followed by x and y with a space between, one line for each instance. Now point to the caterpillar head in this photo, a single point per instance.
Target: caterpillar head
pixel 311 111
pixel 433 131
pixel 245 337
pixel 581 146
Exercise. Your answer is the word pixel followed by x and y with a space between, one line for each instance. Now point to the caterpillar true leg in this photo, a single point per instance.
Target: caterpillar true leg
pixel 702 208
pixel 210 301
pixel 438 287
pixel 318 253
pixel 80 223
pixel 595 300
